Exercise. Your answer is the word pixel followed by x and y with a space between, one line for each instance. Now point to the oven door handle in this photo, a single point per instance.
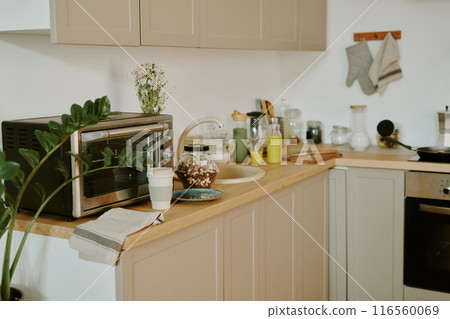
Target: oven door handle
pixel 122 132
pixel 434 209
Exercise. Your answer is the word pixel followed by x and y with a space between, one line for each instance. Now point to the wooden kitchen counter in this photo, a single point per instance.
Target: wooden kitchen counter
pixel 182 215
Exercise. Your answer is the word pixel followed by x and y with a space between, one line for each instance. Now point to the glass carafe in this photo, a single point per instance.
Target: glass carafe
pixel 359 140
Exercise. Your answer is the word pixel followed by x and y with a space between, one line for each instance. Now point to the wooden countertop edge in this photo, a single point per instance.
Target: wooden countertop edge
pixel 144 236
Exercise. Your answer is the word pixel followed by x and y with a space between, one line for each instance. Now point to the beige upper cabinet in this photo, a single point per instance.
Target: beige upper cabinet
pixel 170 23
pixel 281 24
pixel 101 22
pixel 231 24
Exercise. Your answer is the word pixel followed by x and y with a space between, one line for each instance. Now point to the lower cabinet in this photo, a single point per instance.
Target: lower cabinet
pixel 373 211
pixel 274 248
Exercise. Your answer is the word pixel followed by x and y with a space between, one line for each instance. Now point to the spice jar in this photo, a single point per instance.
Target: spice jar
pixel 195 169
pixel 314 131
pixel 340 135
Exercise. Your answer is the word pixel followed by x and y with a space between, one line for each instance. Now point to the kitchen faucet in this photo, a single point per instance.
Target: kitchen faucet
pixel 193 125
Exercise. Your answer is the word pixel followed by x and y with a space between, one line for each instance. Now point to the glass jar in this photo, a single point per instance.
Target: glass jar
pixel 296 124
pixel 240 133
pixel 359 140
pixel 195 169
pixel 314 131
pixel 340 135
pixel 258 136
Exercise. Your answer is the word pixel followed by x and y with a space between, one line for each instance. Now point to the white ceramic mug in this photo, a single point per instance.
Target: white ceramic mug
pixel 160 185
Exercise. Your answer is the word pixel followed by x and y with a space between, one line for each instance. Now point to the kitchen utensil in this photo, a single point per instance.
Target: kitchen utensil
pixel 267 108
pixel 197 195
pixel 388 129
pixel 444 128
pixel 430 154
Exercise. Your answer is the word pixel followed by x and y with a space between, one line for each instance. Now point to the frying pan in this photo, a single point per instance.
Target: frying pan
pixel 429 154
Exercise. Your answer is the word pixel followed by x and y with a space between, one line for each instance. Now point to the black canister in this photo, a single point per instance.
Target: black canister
pixel 314 131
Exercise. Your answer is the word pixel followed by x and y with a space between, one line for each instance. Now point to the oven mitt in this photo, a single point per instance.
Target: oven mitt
pixel 359 62
pixel 385 68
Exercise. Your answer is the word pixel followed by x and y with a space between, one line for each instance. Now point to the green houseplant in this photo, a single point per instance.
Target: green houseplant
pixel 51 141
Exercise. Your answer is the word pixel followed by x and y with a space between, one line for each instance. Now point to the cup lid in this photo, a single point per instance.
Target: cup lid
pixel 196 148
pixel 160 171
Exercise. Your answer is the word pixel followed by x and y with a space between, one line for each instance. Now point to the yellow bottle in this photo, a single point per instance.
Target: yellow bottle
pixel 274 143
pixel 256 157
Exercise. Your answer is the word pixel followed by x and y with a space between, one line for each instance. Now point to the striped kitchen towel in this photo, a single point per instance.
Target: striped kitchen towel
pixel 385 67
pixel 101 240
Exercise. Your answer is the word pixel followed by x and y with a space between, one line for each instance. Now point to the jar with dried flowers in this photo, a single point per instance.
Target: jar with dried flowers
pixel 149 81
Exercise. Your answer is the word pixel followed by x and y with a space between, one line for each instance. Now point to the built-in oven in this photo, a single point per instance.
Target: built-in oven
pixel 427 231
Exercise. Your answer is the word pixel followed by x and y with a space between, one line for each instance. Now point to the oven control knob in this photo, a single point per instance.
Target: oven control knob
pixel 446 190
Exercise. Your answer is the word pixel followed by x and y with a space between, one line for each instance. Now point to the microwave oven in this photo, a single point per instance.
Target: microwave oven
pixel 98 191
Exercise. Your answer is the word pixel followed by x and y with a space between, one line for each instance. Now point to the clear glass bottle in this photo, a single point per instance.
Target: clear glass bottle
pixel 283 115
pixel 258 136
pixel 296 124
pixel 359 140
pixel 195 169
pixel 240 133
pixel 274 143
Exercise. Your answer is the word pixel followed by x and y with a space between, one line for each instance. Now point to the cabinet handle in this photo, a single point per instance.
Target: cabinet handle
pixel 434 209
pixel 122 132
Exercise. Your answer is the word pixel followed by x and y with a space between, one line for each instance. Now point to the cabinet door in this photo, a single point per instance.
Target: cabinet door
pixel 241 253
pixel 277 245
pixel 186 265
pixel 104 22
pixel 280 24
pixel 231 24
pixel 312 230
pixel 170 22
pixel 313 25
pixel 375 234
pixel 338 235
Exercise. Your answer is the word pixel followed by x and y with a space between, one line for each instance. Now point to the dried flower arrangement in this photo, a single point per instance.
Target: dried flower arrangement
pixel 149 81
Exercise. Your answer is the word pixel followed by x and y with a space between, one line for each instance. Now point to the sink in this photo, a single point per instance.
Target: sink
pixel 233 174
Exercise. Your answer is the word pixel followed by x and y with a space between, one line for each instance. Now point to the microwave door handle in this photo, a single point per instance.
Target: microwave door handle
pixel 434 209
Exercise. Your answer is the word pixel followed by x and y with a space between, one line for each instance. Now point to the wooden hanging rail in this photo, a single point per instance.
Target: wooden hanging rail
pixel 372 36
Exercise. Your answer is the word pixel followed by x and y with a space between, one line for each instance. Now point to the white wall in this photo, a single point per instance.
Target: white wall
pixel 40 79
pixel 37 78
pixel 50 270
pixel 425 59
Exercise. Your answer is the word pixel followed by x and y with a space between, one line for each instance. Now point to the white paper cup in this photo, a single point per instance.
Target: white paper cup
pixel 160 186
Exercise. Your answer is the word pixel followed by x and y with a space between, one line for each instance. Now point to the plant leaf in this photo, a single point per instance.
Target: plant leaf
pixel 89 107
pixel 8 170
pixel 2 189
pixel 89 119
pixel 9 201
pixel 62 168
pixel 107 156
pixel 40 190
pixel 57 129
pixel 68 124
pixel 105 107
pixel 77 114
pixel 123 157
pixel 47 139
pixel 96 108
pixel 5 216
pixel 18 180
pixel 2 157
pixel 31 156
pixel 84 159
